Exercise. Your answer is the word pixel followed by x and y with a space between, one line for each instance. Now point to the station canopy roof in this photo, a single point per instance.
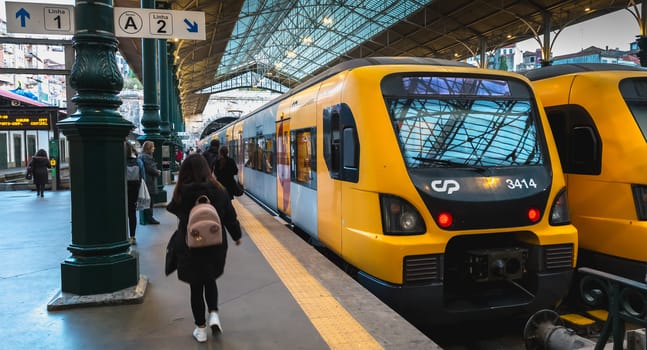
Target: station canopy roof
pixel 276 44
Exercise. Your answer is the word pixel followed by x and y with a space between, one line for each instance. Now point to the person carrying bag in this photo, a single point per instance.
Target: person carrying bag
pixel 197 265
pixel 144 198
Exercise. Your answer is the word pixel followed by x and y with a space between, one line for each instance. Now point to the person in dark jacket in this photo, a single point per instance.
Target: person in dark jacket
pixel 38 166
pixel 200 267
pixel 225 170
pixel 133 181
pixel 211 154
pixel 151 172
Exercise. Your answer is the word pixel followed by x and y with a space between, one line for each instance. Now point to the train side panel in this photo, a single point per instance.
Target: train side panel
pixel 601 144
pixel 329 196
pixel 303 151
pixel 381 169
pixel 258 171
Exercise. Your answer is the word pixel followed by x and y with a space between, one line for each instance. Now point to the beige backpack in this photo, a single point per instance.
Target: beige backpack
pixel 204 227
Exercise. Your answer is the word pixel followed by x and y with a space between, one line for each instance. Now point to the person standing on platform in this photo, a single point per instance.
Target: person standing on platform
pixel 200 267
pixel 179 155
pixel 38 166
pixel 134 175
pixel 151 172
pixel 212 153
pixel 225 170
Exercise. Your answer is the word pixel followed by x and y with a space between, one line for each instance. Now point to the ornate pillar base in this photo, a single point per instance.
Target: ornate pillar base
pixel 96 275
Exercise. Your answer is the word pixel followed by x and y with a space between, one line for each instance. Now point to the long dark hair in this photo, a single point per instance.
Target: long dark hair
pixel 194 169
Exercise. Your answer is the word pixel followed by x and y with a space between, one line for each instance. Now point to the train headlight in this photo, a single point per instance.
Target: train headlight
pixel 399 217
pixel 559 214
pixel 408 221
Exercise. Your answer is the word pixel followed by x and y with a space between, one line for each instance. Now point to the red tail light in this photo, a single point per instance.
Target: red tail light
pixel 445 220
pixel 534 214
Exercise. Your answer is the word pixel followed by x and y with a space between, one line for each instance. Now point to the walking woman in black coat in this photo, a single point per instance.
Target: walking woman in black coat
pixel 225 169
pixel 38 166
pixel 200 267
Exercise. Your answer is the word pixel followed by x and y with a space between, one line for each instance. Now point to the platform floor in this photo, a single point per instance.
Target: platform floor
pixel 277 292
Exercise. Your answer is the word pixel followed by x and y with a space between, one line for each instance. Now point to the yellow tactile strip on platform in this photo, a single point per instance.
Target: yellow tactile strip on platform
pixel 335 325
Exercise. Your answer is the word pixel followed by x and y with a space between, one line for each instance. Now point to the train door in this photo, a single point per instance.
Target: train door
pixel 17 151
pixel 31 145
pixel 3 152
pixel 239 146
pixel 283 177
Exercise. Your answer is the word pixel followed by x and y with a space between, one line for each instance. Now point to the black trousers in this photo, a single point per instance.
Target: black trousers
pixel 199 292
pixel 133 193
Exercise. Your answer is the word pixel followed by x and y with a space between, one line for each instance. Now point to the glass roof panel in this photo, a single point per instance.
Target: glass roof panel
pixel 297 37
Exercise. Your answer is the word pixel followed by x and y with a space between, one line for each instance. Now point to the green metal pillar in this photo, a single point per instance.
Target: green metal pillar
pixel 173 116
pixel 168 156
pixel 176 100
pixel 101 260
pixel 151 118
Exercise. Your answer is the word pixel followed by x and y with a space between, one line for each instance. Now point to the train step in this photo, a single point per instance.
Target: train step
pixel 582 325
pixel 600 315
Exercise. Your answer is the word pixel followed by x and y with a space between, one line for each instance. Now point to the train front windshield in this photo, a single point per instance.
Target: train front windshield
pixel 449 121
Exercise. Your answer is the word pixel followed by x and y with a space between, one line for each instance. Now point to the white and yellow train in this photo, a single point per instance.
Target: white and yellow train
pixel 438 182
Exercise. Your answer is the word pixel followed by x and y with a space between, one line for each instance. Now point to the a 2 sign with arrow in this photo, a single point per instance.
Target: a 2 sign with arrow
pixel 159 24
pixel 35 18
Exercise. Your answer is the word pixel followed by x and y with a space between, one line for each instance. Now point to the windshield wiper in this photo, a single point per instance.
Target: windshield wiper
pixel 450 164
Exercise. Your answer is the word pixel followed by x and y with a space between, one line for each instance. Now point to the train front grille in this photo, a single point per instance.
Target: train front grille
pixel 422 269
pixel 558 257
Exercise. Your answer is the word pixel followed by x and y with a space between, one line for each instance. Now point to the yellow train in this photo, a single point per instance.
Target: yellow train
pixel 598 115
pixel 438 183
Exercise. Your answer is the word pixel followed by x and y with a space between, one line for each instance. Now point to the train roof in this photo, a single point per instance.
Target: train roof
pixel 376 61
pixel 361 62
pixel 563 69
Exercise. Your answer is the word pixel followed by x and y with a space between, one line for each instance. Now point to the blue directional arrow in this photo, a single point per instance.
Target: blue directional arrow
pixel 22 13
pixel 191 27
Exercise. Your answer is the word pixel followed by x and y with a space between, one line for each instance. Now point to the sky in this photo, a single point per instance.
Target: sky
pixel 615 30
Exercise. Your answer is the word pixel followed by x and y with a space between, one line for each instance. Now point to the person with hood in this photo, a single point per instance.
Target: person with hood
pixel 200 267
pixel 38 166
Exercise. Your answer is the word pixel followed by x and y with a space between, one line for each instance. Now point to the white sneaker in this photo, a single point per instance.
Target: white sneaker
pixel 200 334
pixel 214 322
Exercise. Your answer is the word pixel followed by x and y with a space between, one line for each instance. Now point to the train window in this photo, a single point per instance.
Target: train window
pixel 233 151
pixel 582 147
pixel 336 119
pixel 634 92
pixel 268 154
pixel 250 153
pixel 304 157
pixel 419 85
pixel 331 140
pixel 350 149
pixel 260 163
pixel 577 139
pixel 463 122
